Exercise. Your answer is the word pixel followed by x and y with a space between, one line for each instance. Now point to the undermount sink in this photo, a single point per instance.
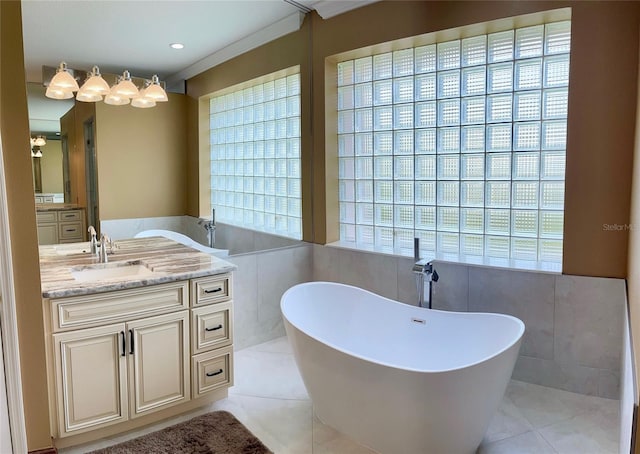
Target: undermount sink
pixel 72 248
pixel 111 271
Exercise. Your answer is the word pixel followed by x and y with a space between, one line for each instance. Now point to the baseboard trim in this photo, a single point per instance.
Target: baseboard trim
pixel 51 450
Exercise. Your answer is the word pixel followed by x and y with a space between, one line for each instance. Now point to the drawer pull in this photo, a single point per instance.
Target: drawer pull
pixel 215 328
pixel 215 290
pixel 213 374
pixel 70 230
pixel 69 215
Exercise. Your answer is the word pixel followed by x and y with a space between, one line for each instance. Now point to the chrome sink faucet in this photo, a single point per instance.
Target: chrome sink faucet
pixel 423 269
pixel 94 240
pixel 102 250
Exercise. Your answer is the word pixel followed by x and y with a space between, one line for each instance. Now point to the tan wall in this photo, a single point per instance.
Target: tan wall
pixel 14 128
pixel 51 167
pixel 633 270
pixel 601 107
pixel 142 159
pixel 282 53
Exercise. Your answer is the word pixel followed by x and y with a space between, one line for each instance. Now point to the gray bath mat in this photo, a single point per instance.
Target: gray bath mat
pixel 214 433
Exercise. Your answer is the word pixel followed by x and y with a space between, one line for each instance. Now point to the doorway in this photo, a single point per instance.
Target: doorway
pixel 91 174
pixel 66 178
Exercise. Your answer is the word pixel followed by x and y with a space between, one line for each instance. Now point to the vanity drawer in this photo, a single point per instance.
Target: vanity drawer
pixel 46 216
pixel 210 289
pixel 70 231
pixel 122 305
pixel 212 370
pixel 71 215
pixel 211 327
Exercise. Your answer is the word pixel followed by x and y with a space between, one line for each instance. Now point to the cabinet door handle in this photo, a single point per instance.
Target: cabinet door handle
pixel 70 230
pixel 131 337
pixel 123 344
pixel 215 290
pixel 215 328
pixel 213 374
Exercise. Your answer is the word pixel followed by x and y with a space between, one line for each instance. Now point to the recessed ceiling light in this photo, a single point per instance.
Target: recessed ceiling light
pixel 176 45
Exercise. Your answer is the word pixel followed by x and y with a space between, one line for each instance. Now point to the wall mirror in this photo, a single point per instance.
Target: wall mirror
pixel 50 161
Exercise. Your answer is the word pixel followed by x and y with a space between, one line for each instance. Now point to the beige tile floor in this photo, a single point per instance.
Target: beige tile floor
pixel 270 399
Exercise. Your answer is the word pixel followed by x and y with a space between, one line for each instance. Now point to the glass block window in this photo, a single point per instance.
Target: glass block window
pixel 255 156
pixel 459 143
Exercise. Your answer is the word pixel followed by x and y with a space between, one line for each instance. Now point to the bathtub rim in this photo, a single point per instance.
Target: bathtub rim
pixel 509 345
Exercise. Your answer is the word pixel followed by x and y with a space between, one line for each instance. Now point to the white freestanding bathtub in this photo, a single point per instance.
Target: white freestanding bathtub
pixel 398 378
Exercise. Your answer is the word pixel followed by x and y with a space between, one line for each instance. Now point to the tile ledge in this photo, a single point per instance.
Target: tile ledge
pixel 480 261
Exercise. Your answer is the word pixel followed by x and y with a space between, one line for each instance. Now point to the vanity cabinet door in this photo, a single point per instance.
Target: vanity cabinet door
pixel 91 378
pixel 47 233
pixel 158 350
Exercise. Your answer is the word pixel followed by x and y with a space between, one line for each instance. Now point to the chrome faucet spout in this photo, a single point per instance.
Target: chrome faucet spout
pixel 102 250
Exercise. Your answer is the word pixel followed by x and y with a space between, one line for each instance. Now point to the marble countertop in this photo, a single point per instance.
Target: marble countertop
pixel 166 261
pixel 57 206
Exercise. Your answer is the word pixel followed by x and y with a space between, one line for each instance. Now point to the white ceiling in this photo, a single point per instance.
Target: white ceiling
pixel 135 35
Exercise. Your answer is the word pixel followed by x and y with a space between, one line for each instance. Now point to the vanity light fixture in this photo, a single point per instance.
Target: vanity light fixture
pixel 56 93
pixel 113 99
pixel 38 141
pixel 124 91
pixel 63 80
pixel 95 83
pixel 116 100
pixel 142 100
pixel 88 96
pixel 126 87
pixel 155 91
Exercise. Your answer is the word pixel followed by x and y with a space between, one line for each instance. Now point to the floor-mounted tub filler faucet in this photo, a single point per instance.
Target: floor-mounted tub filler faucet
pixel 210 227
pixel 423 269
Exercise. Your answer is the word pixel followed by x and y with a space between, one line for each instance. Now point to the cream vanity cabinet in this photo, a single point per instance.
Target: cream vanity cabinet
pixel 121 355
pixel 60 225
pixel 211 334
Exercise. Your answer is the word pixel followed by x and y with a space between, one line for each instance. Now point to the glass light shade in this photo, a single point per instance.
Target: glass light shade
pixel 39 141
pixel 63 79
pixel 88 96
pixel 155 91
pixel 57 93
pixel 116 100
pixel 125 87
pixel 142 101
pixel 96 83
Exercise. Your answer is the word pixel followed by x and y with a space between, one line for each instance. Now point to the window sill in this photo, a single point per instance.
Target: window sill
pixel 491 262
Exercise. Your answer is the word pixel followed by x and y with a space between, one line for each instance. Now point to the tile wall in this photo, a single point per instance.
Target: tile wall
pixel 258 284
pixel 574 324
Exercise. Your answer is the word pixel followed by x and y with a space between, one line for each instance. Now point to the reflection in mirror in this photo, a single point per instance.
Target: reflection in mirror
pixel 49 172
